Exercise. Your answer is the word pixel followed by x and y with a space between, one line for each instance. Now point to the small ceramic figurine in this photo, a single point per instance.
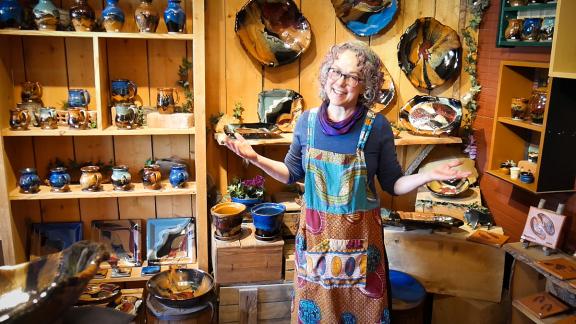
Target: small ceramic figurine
pixel 82 16
pixel 175 17
pixel 112 17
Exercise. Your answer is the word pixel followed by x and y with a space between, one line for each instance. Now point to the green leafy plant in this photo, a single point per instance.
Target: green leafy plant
pixel 238 110
pixel 245 189
pixel 184 83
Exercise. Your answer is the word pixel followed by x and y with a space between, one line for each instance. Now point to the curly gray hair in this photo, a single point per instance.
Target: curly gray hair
pixel 371 70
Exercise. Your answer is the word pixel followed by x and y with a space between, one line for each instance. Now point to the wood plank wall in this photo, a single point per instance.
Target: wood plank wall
pixel 233 76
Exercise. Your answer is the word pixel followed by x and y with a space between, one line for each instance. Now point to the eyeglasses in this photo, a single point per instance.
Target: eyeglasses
pixel 349 80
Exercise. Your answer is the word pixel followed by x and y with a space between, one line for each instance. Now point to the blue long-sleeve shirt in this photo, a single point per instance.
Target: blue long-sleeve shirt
pixel 379 151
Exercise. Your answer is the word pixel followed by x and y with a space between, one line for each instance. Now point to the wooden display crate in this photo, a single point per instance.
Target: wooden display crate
pixel 289 260
pixel 458 205
pixel 255 304
pixel 290 224
pixel 247 260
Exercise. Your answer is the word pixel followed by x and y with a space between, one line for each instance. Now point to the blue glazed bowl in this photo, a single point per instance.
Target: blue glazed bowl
pixel 267 218
pixel 248 202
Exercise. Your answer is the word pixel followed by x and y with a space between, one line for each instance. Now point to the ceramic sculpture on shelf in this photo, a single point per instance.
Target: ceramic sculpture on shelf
pixel 10 14
pixel 46 15
pixel 112 17
pixel 175 17
pixel 147 17
pixel 82 16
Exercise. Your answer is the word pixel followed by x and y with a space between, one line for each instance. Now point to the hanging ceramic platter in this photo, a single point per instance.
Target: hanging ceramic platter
pixel 431 116
pixel 170 241
pixel 274 32
pixel 429 53
pixel 122 239
pixel 50 238
pixel 281 107
pixel 365 17
pixel 387 93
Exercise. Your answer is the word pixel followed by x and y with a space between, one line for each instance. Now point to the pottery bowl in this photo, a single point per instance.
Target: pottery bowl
pixel 448 188
pixel 181 287
pixel 41 290
pixel 268 218
pixel 227 219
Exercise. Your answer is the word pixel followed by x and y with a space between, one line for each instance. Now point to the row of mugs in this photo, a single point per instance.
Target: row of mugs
pixel 530 29
pixel 47 118
pixel 91 178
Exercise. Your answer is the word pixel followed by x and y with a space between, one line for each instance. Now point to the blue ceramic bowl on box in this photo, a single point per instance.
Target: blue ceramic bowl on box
pixel 267 219
pixel 248 202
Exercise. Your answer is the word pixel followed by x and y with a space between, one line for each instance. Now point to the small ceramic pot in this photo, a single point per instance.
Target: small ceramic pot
pixel 175 17
pixel 46 15
pixel 121 178
pixel 178 175
pixel 517 3
pixel 146 17
pixel 267 218
pixel 31 91
pixel 519 108
pixel 151 177
pixel 19 119
pixel 513 31
pixel 78 98
pixel 47 118
pixel 123 90
pixel 112 17
pixel 126 115
pixel 82 16
pixel 91 178
pixel 77 118
pixel 10 14
pixel 526 177
pixel 29 181
pixel 537 106
pixel 248 202
pixel 547 29
pixel 531 29
pixel 227 220
pixel 59 180
pixel 165 100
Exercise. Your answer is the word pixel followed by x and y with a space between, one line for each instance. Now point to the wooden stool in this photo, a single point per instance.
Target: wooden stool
pixel 408 297
pixel 158 313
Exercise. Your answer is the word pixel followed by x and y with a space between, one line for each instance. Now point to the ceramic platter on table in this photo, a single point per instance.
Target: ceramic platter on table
pixel 429 53
pixel 181 287
pixel 365 17
pixel 170 241
pixel 253 130
pixel 274 32
pixel 451 188
pixel 121 238
pixel 431 116
pixel 49 238
pixel 99 293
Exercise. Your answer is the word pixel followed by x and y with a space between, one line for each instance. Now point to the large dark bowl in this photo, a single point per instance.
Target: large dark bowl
pixel 41 290
pixel 165 285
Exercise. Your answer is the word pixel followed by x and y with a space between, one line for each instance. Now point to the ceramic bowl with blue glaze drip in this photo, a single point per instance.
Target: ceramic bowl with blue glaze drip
pixel 267 218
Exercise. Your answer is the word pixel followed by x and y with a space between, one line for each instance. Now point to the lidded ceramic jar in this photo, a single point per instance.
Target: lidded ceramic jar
pixel 112 17
pixel 10 14
pixel 82 16
pixel 121 178
pixel 46 15
pixel 175 17
pixel 29 181
pixel 147 17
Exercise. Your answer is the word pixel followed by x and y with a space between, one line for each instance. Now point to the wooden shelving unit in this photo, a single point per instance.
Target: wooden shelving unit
pixel 520 123
pixel 531 10
pixel 562 63
pixel 61 60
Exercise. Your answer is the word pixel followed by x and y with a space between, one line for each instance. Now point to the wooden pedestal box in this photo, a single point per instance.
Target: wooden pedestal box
pixel 255 304
pixel 247 260
pixel 289 260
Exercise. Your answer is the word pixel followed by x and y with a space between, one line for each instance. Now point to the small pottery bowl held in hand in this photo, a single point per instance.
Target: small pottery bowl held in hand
pixel 227 220
pixel 267 219
pixel 181 288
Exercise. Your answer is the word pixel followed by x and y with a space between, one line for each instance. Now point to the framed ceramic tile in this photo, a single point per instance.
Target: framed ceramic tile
pixel 543 227
pixel 122 238
pixel 170 241
pixel 47 238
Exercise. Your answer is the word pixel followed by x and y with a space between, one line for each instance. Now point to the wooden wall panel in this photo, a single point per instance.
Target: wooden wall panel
pixel 125 63
pixel 80 66
pixel 164 57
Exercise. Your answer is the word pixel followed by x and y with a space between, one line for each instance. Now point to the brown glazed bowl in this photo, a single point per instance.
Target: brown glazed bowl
pixel 41 290
pixel 227 220
pixel 181 287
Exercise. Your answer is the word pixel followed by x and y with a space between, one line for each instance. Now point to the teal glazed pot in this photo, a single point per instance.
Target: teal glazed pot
pixel 121 178
pixel 267 218
pixel 46 15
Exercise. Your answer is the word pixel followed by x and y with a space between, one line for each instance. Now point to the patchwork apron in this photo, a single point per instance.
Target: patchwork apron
pixel 341 265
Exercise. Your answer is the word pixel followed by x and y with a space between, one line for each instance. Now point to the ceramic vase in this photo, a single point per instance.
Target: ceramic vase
pixel 147 17
pixel 531 29
pixel 519 108
pixel 547 29
pixel 178 175
pixel 267 220
pixel 91 178
pixel 175 17
pixel 46 15
pixel 112 17
pixel 537 106
pixel 10 14
pixel 19 119
pixel 121 178
pixel 29 181
pixel 82 16
pixel 165 102
pixel 151 177
pixel 59 180
pixel 227 220
pixel 514 30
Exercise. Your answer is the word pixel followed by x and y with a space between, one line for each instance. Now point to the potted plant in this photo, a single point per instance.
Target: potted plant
pixel 248 192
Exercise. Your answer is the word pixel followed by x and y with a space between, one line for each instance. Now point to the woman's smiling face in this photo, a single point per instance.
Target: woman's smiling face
pixel 342 75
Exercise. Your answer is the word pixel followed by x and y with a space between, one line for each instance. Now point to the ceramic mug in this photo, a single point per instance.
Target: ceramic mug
pixel 547 29
pixel 123 90
pixel 531 29
pixel 33 108
pixel 526 177
pixel 513 31
pixel 59 179
pixel 151 177
pixel 78 98
pixel 178 175
pixel 126 116
pixel 47 118
pixel 165 100
pixel 121 178
pixel 77 118
pixel 19 119
pixel 29 181
pixel 91 178
pixel 514 172
pixel 31 91
pixel 537 106
pixel 519 108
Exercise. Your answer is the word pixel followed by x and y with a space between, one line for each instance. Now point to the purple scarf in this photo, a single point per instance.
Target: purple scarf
pixel 338 128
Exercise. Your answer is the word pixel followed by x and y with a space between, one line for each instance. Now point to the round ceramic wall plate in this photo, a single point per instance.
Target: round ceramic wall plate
pixel 365 17
pixel 448 188
pixel 431 116
pixel 274 32
pixel 429 53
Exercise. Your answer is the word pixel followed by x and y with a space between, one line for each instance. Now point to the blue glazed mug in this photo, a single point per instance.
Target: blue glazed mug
pixel 178 175
pixel 78 98
pixel 123 90
pixel 531 29
pixel 29 181
pixel 59 179
pixel 267 219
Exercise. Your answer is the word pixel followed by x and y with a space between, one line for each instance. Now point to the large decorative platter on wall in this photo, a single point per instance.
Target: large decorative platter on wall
pixel 387 93
pixel 273 31
pixel 429 53
pixel 431 116
pixel 365 17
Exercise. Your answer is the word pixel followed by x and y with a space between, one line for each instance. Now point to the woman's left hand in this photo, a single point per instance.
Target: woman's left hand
pixel 446 171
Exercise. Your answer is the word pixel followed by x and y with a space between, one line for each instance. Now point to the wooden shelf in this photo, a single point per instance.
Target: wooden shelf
pixel 107 192
pixel 163 36
pixel 522 124
pixel 527 186
pixel 136 274
pixel 548 320
pixel 534 7
pixel 524 43
pixel 110 131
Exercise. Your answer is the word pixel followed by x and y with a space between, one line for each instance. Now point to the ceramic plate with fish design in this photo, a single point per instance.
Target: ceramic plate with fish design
pixel 431 116
pixel 365 17
pixel 429 53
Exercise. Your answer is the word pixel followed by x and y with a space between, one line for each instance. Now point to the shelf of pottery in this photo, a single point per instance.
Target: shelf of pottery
pixel 526 23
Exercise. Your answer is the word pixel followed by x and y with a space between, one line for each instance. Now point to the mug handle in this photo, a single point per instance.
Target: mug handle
pixel 134 115
pixel 84 116
pixel 26 116
pixel 133 85
pixel 177 96
pixel 86 95
pixel 39 87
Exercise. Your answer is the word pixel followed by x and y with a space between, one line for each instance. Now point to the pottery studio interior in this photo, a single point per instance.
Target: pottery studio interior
pixel 287 161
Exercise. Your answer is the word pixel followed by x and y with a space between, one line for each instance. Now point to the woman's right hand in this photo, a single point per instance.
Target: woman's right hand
pixel 241 147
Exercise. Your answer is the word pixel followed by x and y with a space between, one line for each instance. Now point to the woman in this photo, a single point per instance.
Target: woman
pixel 338 148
